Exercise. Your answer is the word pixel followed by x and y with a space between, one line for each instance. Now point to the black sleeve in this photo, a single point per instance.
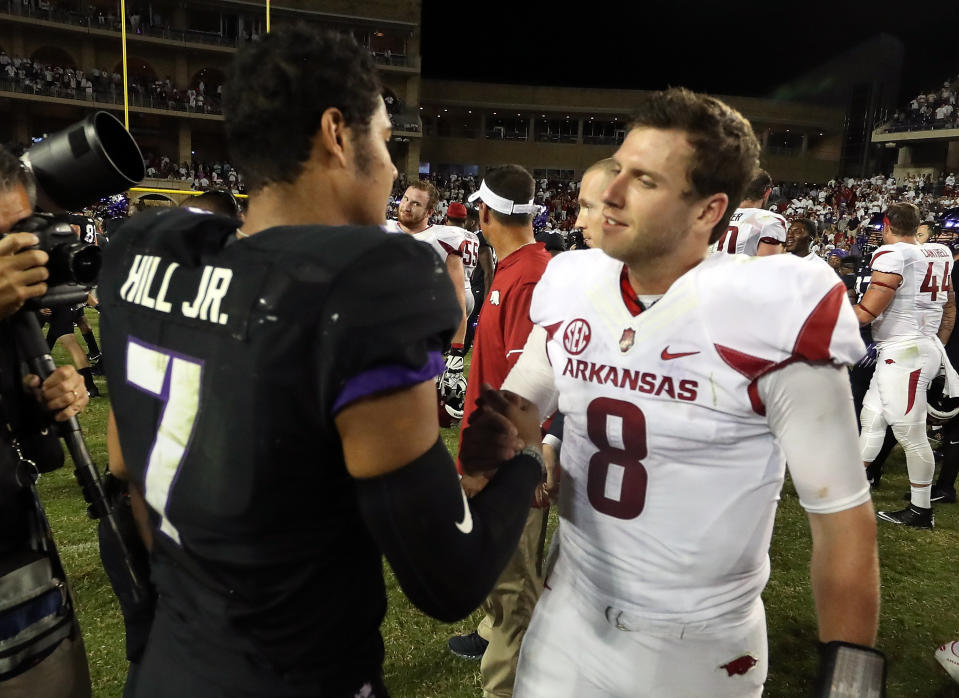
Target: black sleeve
pixel 386 321
pixel 447 551
pixel 556 428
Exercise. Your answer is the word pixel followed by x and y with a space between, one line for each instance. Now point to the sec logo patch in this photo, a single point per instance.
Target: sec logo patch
pixel 576 337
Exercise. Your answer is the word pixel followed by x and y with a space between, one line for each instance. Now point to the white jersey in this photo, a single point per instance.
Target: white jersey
pixel 674 471
pixel 444 239
pixel 916 309
pixel 818 261
pixel 469 251
pixel 747 228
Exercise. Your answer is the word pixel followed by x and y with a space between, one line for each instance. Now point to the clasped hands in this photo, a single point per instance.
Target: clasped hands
pixel 502 424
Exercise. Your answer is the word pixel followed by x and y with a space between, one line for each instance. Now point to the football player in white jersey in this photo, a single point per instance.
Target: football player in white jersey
pixel 686 391
pixel 908 293
pixel 413 217
pixel 753 229
pixel 468 249
pixel 590 200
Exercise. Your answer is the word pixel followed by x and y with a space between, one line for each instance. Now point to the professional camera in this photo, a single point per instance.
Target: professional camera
pixel 93 158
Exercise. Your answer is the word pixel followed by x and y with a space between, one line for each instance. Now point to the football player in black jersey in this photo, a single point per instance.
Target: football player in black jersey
pixel 274 401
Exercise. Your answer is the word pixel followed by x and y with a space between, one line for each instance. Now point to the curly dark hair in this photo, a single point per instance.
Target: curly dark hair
pixel 725 150
pixel 277 91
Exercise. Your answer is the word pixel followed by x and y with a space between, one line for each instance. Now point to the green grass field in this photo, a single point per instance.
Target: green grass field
pixel 920 596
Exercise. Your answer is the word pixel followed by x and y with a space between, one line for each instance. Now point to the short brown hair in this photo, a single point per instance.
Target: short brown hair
pixel 606 165
pixel 903 218
pixel 430 190
pixel 512 182
pixel 757 188
pixel 725 150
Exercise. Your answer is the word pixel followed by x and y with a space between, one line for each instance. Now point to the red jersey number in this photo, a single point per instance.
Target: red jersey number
pixel 469 249
pixel 731 234
pixel 930 284
pixel 611 464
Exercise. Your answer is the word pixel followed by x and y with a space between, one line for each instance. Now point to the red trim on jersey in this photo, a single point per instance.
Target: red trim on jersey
pixel 752 367
pixel 815 336
pixel 913 384
pixel 629 295
pixel 880 283
pixel 551 329
pixel 866 309
pixel 812 344
pixel 450 249
pixel 877 256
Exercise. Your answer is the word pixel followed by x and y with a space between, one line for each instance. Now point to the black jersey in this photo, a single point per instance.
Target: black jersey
pixel 88 229
pixel 232 360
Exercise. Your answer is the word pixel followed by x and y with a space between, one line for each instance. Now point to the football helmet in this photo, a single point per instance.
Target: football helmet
pixel 941 408
pixel 948 656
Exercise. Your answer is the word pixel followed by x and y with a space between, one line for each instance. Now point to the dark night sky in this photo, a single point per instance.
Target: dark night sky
pixel 732 47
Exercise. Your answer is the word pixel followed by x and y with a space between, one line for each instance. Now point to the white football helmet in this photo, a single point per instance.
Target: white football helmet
pixel 948 656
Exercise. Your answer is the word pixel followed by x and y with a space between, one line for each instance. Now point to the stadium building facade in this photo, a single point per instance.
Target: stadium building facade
pixel 438 125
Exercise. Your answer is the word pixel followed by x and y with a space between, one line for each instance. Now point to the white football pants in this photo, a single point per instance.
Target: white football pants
pixel 897 397
pixel 577 648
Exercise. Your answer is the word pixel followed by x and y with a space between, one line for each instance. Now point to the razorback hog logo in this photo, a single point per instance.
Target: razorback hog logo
pixel 740 666
pixel 576 337
pixel 626 341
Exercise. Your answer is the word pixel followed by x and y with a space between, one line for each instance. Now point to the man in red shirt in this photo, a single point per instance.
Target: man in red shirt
pixel 506 212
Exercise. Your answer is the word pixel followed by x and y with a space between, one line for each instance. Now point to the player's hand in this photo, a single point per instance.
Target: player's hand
pixel 521 412
pixel 46 312
pixel 63 392
pixel 490 438
pixel 548 492
pixel 473 484
pixel 449 384
pixel 22 272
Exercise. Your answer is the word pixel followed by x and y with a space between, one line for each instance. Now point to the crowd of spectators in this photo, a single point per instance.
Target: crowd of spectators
pixel 19 74
pixel 932 109
pixel 848 202
pixel 153 22
pixel 200 175
pixel 558 197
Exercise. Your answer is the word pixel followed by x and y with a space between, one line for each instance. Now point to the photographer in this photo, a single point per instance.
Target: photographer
pixel 42 657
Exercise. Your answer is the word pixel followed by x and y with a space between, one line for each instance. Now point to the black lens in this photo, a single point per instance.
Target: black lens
pixel 85 264
pixel 77 263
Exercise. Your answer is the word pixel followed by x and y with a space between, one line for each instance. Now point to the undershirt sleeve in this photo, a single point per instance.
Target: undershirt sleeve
pixel 518 323
pixel 809 409
pixel 532 376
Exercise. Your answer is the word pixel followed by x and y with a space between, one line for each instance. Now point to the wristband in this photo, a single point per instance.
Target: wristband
pixel 850 671
pixel 536 454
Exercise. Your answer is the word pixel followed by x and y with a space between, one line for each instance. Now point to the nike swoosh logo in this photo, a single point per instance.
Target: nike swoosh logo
pixel 666 355
pixel 466 525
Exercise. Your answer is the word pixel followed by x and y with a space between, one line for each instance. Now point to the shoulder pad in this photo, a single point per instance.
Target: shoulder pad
pixel 780 308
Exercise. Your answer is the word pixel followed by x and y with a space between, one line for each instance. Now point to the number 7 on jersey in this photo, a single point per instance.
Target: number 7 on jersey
pixel 175 380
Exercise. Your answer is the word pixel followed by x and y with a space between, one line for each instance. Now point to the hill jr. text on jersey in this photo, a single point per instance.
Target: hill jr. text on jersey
pixel 213 285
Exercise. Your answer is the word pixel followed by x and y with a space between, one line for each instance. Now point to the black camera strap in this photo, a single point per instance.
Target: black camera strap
pixel 27 474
